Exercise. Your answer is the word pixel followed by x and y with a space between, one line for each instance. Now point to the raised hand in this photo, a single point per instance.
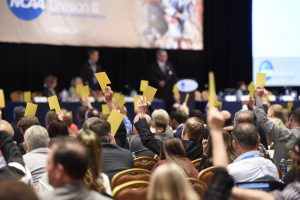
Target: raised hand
pixel 215 119
pixel 108 94
pixel 142 106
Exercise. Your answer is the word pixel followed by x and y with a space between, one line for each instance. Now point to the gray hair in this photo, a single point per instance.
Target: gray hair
pixel 36 137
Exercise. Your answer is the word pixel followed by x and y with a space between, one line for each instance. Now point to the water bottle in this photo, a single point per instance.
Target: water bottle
pixel 283 167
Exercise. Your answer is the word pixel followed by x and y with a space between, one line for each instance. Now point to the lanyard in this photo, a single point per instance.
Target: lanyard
pixel 246 157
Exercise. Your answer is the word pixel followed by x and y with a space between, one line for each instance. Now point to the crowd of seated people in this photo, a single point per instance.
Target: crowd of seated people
pixel 64 160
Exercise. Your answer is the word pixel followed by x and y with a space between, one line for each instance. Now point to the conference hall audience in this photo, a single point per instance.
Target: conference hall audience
pixel 81 164
pixel 36 145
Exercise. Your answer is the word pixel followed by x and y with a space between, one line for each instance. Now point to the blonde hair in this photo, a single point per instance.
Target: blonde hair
pixel 169 182
pixel 160 117
pixel 194 128
pixel 5 126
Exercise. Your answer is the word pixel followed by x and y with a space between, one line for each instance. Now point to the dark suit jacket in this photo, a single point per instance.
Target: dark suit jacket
pixel 193 149
pixel 87 75
pixel 156 75
pixel 115 159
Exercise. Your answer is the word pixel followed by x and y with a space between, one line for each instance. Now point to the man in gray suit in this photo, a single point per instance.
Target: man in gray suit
pixel 36 142
pixel 66 167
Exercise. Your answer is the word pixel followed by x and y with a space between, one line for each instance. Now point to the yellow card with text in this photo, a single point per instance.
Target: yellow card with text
pixel 260 79
pixel 143 85
pixel 136 98
pixel 2 99
pixel 27 96
pixel 251 88
pixel 103 80
pixel 115 119
pixel 105 109
pixel 175 89
pixel 149 93
pixel 30 109
pixel 54 104
pixel 212 99
pixel 186 99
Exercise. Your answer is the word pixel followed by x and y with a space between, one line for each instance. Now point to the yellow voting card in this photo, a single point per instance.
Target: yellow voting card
pixel 149 93
pixel 175 89
pixel 290 105
pixel 251 88
pixel 260 79
pixel 119 99
pixel 2 99
pixel 54 104
pixel 105 109
pixel 212 99
pixel 143 85
pixel 83 91
pixel 27 96
pixel 136 98
pixel 30 109
pixel 103 80
pixel 115 119
pixel 186 99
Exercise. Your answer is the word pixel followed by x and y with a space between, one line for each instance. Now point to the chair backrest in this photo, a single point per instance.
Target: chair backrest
pixel 134 174
pixel 206 175
pixel 196 162
pixel 199 186
pixel 16 96
pixel 145 163
pixel 133 190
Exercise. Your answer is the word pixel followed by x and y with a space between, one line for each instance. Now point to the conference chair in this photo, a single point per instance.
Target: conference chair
pixel 134 174
pixel 133 190
pixel 197 162
pixel 199 186
pixel 145 163
pixel 206 175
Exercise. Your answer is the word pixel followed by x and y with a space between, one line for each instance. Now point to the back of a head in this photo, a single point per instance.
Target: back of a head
pixel 168 182
pixel 172 147
pixel 36 137
pixel 199 114
pixel 50 117
pixel 296 115
pixel 19 112
pixel 72 156
pixel 94 150
pixel 68 118
pixel 49 80
pixel 27 121
pixel 277 111
pixel 244 116
pixel 5 126
pixel 179 116
pixel 92 112
pixel 246 135
pixel 101 128
pixel 160 118
pixel 57 128
pixel 12 189
pixel 194 128
pixel 81 113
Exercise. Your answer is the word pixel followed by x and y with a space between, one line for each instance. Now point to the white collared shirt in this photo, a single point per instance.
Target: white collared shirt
pixel 250 166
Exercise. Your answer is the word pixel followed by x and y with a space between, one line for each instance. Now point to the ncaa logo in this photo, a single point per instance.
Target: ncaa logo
pixel 266 67
pixel 27 9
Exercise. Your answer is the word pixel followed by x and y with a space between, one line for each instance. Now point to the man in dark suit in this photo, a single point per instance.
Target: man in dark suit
pixel 163 76
pixel 89 68
pixel 115 158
